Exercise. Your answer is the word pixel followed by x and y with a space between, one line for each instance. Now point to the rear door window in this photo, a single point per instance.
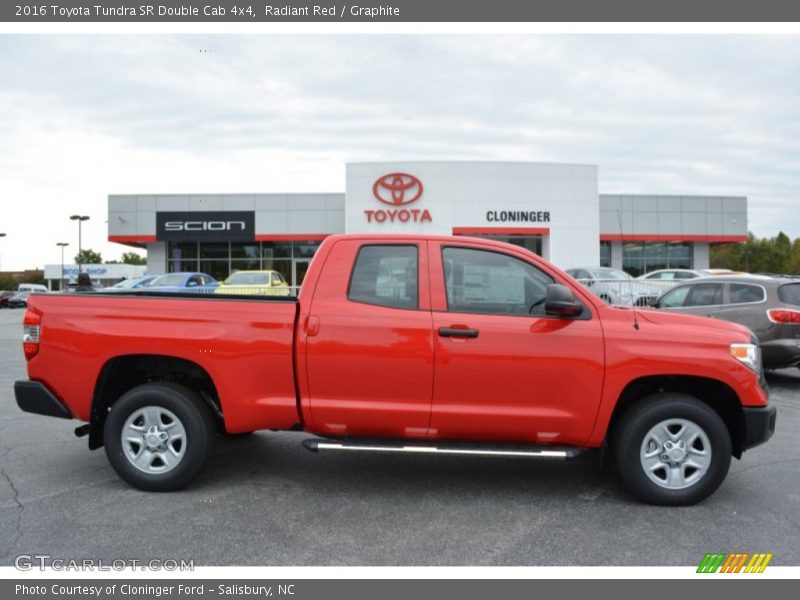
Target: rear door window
pixel 386 276
pixel 741 293
pixel 705 294
pixel 790 294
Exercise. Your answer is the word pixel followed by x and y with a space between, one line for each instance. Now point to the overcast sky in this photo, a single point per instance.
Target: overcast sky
pixel 82 117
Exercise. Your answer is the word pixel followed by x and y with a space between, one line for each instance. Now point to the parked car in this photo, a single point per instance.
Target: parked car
pixel 674 274
pixel 719 272
pixel 769 307
pixel 131 284
pixel 263 283
pixel 613 286
pixel 18 300
pixel 488 350
pixel 665 279
pixel 32 287
pixel 183 282
pixel 5 296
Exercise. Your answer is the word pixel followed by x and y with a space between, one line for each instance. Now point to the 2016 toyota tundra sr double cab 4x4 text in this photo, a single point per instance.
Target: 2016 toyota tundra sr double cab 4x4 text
pixel 409 344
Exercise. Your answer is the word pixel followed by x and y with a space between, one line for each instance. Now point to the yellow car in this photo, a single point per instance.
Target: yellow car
pixel 256 283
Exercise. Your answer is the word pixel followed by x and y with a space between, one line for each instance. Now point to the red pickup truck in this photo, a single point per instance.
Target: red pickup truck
pixel 419 344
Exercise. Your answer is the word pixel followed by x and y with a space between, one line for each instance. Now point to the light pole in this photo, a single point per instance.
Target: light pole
pixel 2 235
pixel 80 219
pixel 63 245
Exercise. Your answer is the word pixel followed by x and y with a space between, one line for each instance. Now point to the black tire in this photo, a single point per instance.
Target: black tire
pixel 636 423
pixel 193 415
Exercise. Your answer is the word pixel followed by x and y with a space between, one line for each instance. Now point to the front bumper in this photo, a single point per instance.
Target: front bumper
pixel 34 397
pixel 781 353
pixel 759 424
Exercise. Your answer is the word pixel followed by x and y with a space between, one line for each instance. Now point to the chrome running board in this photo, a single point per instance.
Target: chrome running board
pixel 554 452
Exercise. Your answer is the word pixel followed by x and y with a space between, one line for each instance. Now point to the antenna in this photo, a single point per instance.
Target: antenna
pixel 630 281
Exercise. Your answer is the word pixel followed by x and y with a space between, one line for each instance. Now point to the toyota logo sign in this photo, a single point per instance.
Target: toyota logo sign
pixel 396 189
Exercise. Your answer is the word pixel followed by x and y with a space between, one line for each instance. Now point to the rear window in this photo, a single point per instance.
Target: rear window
pixel 790 294
pixel 742 293
pixel 386 276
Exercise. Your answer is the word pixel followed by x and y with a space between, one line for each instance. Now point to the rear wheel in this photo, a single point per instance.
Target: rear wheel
pixel 671 449
pixel 158 436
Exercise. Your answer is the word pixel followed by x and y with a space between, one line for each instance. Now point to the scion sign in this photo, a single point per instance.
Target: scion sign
pixel 235 226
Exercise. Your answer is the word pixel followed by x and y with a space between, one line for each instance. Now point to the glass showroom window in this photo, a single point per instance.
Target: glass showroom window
pixel 680 255
pixel 605 254
pixel 655 256
pixel 220 259
pixel 633 258
pixel 182 257
pixel 215 259
pixel 245 257
pixel 529 242
pixel 642 257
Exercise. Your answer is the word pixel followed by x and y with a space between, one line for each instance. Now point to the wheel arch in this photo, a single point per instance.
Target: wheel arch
pixel 123 373
pixel 717 395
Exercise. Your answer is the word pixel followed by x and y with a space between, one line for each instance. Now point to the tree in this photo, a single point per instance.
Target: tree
pixel 759 255
pixel 35 276
pixel 87 256
pixel 793 266
pixel 131 258
pixel 783 248
pixel 7 282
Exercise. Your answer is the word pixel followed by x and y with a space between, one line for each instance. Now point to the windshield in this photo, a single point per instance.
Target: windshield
pixel 128 283
pixel 248 279
pixel 132 283
pixel 173 279
pixel 609 274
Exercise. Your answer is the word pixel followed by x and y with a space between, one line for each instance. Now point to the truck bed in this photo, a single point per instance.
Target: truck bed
pixel 244 343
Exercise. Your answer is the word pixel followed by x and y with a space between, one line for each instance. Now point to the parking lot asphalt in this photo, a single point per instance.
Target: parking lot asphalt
pixel 264 500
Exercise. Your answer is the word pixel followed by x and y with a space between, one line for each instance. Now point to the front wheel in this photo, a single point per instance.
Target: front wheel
pixel 671 449
pixel 159 436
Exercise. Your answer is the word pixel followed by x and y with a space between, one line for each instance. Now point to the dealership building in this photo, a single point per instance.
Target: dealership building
pixel 553 209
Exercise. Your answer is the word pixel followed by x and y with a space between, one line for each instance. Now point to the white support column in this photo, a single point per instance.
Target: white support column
pixel 701 255
pixel 616 255
pixel 156 258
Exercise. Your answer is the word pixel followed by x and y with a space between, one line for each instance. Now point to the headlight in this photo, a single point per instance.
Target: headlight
pixel 747 354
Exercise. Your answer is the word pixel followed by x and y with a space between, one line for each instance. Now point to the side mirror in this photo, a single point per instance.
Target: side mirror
pixel 561 302
pixel 655 303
